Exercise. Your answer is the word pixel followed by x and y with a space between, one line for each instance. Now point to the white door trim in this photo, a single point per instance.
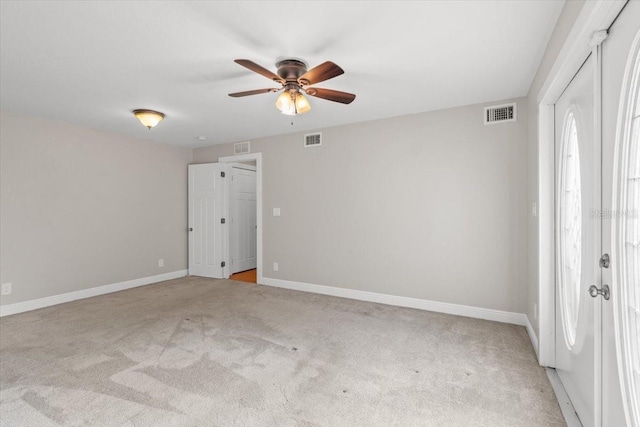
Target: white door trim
pixel 258 159
pixel 595 16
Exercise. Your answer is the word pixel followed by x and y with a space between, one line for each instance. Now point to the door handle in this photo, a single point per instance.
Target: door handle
pixel 605 292
pixel 190 229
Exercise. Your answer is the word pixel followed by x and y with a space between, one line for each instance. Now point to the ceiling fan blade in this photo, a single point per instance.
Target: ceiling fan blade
pixel 259 69
pixel 331 95
pixel 253 92
pixel 322 72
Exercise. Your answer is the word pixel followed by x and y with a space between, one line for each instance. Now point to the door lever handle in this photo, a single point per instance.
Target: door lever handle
pixel 190 229
pixel 605 292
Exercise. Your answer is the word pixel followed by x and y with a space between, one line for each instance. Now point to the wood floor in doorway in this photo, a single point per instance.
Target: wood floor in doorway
pixel 248 276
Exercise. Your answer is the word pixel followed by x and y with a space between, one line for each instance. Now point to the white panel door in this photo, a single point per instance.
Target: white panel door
pixel 578 231
pixel 243 237
pixel 207 233
pixel 621 225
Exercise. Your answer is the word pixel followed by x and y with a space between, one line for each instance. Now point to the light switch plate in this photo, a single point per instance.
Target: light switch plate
pixel 276 211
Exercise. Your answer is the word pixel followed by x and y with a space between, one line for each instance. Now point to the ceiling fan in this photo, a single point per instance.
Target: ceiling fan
pixel 295 79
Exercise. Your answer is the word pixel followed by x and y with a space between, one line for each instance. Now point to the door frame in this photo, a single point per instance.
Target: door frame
pixel 584 38
pixel 258 159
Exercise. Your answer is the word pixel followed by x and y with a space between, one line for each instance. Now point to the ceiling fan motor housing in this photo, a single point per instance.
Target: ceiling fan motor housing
pixel 291 70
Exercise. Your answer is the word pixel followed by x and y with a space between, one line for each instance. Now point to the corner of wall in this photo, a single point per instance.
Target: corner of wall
pixel 533 337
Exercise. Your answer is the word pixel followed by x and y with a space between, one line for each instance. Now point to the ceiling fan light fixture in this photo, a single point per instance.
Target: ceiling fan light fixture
pixel 285 103
pixel 302 104
pixel 292 103
pixel 148 118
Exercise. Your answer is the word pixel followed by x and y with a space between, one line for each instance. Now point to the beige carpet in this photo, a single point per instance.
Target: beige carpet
pixel 202 352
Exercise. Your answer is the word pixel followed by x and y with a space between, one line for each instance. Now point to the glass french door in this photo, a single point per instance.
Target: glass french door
pixel 621 219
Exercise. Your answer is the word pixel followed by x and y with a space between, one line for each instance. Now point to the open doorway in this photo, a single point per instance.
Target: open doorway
pixel 209 221
pixel 245 209
pixel 242 222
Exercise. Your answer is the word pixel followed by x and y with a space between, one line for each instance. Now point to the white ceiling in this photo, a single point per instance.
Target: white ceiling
pixel 91 63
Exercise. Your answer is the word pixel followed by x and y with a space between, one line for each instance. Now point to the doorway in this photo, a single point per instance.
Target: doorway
pixel 589 277
pixel 242 222
pixel 218 233
pixel 248 270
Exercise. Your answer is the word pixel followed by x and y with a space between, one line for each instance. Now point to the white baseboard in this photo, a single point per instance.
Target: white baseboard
pixel 420 304
pixel 20 307
pixel 533 337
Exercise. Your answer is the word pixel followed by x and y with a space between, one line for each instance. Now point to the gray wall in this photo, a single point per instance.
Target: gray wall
pixel 431 206
pixel 564 25
pixel 80 208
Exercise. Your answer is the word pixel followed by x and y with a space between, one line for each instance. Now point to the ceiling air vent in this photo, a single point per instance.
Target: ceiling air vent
pixel 313 139
pixel 500 114
pixel 242 147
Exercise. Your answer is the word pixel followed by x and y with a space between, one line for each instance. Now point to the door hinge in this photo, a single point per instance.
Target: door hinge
pixel 223 221
pixel 598 37
pixel 222 174
pixel 222 264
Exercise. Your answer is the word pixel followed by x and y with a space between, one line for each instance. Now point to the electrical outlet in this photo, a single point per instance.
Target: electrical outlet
pixel 6 289
pixel 276 211
pixel 534 210
pixel 160 263
pixel 275 266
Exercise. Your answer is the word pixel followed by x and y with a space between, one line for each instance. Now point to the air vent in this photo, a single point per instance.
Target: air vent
pixel 242 147
pixel 313 139
pixel 499 114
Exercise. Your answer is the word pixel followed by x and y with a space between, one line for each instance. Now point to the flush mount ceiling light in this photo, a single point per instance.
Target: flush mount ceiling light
pixel 148 118
pixel 295 79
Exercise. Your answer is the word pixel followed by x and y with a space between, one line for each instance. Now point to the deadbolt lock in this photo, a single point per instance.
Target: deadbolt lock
pixel 604 261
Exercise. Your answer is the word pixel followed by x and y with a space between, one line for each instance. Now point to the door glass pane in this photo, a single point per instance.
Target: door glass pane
pixel 570 232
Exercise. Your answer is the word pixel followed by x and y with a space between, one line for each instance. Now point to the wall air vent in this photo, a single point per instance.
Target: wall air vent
pixel 242 147
pixel 313 139
pixel 500 114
